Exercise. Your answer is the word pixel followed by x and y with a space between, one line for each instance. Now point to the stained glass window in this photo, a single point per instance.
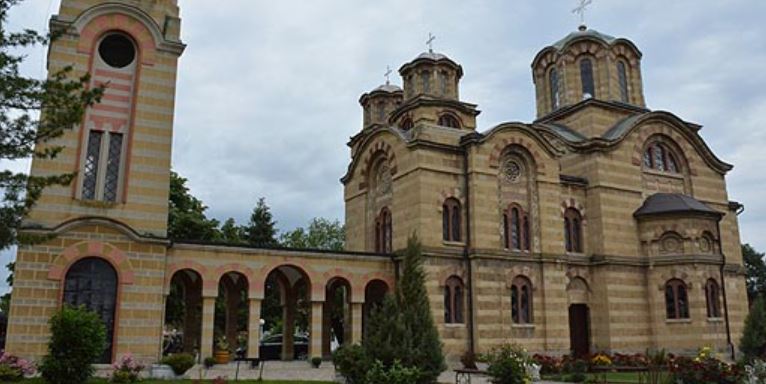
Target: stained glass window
pixel 90 171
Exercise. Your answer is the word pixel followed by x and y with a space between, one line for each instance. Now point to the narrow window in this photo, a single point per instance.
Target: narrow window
pixel 443 77
pixel 586 77
pixel 383 231
pixel 525 231
pixel 113 167
pixel 455 223
pixel 451 213
pixel 381 112
pixel 506 232
pixel 406 124
pixel 712 296
pixel 445 223
pixel 676 300
pixel 573 230
pixel 658 156
pixel 453 300
pixel 553 82
pixel 425 78
pixel 515 228
pixel 521 300
pixel 622 78
pixel 90 172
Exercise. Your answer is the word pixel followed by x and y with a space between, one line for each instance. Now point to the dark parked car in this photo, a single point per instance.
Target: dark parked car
pixel 271 347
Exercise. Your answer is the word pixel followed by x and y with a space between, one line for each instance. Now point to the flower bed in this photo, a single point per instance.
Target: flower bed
pixel 13 368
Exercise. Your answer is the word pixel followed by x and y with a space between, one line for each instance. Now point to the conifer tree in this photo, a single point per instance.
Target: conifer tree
pixel 385 336
pixel 753 342
pixel 231 232
pixel 261 230
pixel 424 346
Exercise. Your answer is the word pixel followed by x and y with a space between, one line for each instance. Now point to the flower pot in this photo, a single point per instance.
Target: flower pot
pixel 221 357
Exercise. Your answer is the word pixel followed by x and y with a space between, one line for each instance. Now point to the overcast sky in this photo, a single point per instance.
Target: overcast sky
pixel 267 90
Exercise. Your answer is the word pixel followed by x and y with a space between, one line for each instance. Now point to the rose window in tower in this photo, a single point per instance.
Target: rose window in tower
pixel 511 171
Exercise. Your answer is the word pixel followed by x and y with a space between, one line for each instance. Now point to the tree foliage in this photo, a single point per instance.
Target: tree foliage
pixel 321 234
pixel 755 268
pixel 753 343
pixel 186 214
pixel 78 339
pixel 261 230
pixel 33 113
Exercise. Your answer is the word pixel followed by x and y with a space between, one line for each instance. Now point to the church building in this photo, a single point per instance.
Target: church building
pixel 600 226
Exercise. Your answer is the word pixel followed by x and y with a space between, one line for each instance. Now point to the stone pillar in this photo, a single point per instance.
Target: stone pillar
pixel 356 323
pixel 315 347
pixel 254 329
pixel 288 322
pixel 208 327
pixel 326 329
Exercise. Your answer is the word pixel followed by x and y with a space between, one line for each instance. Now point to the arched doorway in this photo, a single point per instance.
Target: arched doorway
pixel 183 313
pixel 579 317
pixel 336 317
pixel 374 293
pixel 92 282
pixel 286 311
pixel 232 311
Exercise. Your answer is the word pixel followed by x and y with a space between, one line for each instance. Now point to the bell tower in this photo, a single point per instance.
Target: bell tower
pixel 121 152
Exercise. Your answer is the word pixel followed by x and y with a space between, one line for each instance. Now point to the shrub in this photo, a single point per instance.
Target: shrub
pixel 755 372
pixel 352 363
pixel 316 362
pixel 549 365
pixel 753 342
pixel 508 365
pixel 704 369
pixel 396 374
pixel 209 362
pixel 78 339
pixel 13 369
pixel 127 370
pixel 179 362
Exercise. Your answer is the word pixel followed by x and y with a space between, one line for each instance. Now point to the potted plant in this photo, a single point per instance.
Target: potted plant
pixel 316 362
pixel 222 353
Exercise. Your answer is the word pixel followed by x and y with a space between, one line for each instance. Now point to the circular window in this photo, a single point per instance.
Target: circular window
pixel 512 171
pixel 117 51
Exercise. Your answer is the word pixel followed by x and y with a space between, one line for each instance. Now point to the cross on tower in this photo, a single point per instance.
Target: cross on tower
pixel 388 73
pixel 580 9
pixel 430 41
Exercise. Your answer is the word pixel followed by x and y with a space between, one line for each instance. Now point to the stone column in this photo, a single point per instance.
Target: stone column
pixel 208 327
pixel 315 347
pixel 356 323
pixel 254 329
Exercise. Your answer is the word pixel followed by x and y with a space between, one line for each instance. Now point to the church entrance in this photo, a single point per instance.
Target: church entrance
pixel 92 282
pixel 579 329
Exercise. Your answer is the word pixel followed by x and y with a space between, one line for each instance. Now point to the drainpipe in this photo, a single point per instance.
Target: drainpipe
pixel 466 250
pixel 723 292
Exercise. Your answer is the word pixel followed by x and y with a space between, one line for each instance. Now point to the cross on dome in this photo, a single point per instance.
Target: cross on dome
pixel 430 41
pixel 387 74
pixel 580 10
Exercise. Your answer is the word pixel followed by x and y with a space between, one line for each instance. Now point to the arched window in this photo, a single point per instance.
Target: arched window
pixel 622 79
pixel 573 230
pixel 443 80
pixel 521 300
pixel 383 231
pixel 712 298
pixel 659 157
pixel 586 78
pixel 516 228
pixel 453 300
pixel 447 120
pixel 92 282
pixel 676 300
pixel 406 124
pixel 553 82
pixel 381 112
pixel 451 216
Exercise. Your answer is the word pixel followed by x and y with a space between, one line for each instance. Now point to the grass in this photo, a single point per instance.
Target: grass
pixel 104 381
pixel 611 377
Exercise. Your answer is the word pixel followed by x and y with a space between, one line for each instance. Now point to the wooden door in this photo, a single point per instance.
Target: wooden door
pixel 579 329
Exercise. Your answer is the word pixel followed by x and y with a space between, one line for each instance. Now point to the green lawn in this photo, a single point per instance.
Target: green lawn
pixel 104 381
pixel 611 377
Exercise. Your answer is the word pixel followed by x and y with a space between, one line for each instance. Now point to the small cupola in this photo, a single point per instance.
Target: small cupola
pixel 431 74
pixel 587 64
pixel 379 103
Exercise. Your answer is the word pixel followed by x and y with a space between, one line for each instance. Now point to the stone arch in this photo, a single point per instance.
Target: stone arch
pixel 314 283
pixel 114 256
pixel 578 291
pixel 676 273
pixel 574 203
pixel 669 136
pixel 447 272
pixel 98 21
pixel 523 271
pixel 523 146
pixel 379 151
pixel 194 266
pixel 248 273
pixel 356 289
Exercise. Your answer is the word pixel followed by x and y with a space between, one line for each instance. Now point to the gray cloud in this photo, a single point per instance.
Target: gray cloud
pixel 267 91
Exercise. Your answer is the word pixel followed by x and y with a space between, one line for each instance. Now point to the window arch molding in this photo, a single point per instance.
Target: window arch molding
pixel 658 151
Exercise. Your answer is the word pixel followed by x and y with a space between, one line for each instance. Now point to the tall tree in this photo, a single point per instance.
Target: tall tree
pixel 33 113
pixel 232 233
pixel 753 342
pixel 321 234
pixel 755 268
pixel 261 230
pixel 186 214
